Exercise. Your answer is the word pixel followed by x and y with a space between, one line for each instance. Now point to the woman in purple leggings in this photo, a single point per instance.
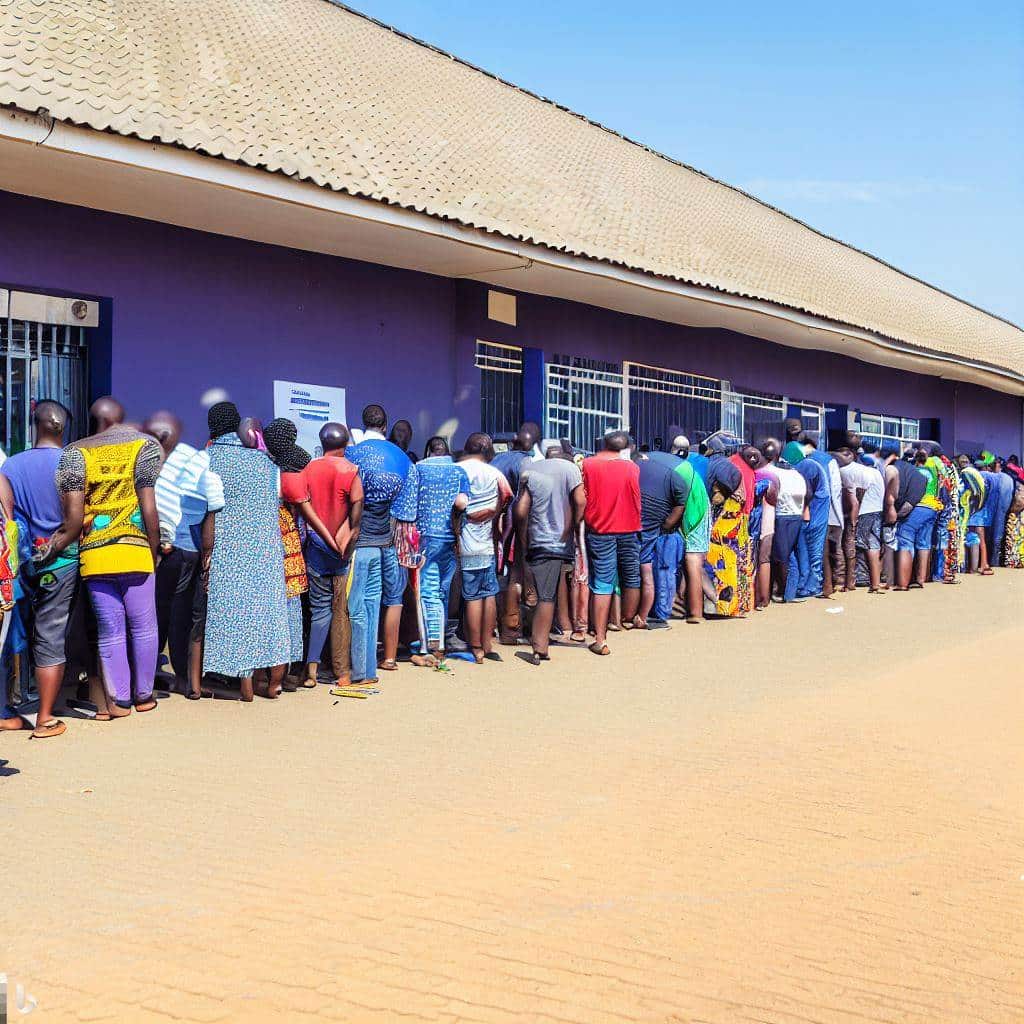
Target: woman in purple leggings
pixel 106 482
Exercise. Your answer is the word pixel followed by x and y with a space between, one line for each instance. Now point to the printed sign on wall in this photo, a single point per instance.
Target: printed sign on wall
pixel 309 407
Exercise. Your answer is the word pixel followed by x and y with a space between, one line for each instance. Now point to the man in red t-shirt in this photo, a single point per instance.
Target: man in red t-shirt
pixel 332 487
pixel 612 483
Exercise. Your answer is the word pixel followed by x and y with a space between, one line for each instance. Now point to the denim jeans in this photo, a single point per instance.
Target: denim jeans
pixel 810 552
pixel 364 611
pixel 435 585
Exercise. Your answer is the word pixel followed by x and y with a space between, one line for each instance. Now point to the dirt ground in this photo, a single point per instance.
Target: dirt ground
pixel 804 817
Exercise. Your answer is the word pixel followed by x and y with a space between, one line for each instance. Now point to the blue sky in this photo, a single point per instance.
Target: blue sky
pixel 897 127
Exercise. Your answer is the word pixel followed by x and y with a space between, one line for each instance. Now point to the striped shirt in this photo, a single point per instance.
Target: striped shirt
pixel 168 493
pixel 192 490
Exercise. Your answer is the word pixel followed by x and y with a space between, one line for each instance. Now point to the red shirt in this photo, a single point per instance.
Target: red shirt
pixel 749 482
pixel 328 483
pixel 613 493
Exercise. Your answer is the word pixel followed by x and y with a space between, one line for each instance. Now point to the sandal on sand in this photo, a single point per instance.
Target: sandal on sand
pixel 692 620
pixel 44 730
pixel 309 684
pixel 577 636
pixel 599 649
pixel 146 705
pixel 986 572
pixel 388 665
pixel 348 691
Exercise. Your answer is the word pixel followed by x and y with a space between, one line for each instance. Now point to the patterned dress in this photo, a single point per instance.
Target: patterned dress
pixel 729 563
pixel 296 582
pixel 247 618
pixel 1013 541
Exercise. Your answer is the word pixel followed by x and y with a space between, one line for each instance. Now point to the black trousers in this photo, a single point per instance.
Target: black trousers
pixel 176 578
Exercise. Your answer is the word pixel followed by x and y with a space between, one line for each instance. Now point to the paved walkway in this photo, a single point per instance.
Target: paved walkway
pixel 806 817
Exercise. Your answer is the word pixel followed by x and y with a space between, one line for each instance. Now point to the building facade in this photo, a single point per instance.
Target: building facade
pixel 182 222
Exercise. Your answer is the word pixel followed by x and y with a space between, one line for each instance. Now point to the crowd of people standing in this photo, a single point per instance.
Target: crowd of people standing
pixel 262 570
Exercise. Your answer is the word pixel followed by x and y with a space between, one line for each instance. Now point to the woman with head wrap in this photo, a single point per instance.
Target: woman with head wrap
pixel 247 615
pixel 729 578
pixel 1013 541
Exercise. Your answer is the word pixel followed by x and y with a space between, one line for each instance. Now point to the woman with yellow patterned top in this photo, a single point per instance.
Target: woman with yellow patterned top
pixel 106 482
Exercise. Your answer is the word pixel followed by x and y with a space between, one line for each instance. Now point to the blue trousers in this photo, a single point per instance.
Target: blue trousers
pixel 795 574
pixel 668 556
pixel 436 584
pixel 365 582
pixel 1000 500
pixel 810 552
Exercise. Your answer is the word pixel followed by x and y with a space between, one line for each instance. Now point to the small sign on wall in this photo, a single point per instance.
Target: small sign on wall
pixel 309 407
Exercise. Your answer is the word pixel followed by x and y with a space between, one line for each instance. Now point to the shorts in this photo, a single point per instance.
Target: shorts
pixel 869 531
pixel 478 584
pixel 393 579
pixel 787 530
pixel 546 571
pixel 52 594
pixel 915 532
pixel 698 540
pixel 983 517
pixel 614 560
pixel 889 535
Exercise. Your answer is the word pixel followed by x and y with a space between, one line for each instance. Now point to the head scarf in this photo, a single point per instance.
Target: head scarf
pixel 223 418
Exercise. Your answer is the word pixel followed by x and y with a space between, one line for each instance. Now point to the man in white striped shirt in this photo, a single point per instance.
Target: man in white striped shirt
pixel 177 571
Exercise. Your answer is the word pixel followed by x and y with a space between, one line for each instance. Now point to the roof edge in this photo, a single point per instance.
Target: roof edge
pixel 662 156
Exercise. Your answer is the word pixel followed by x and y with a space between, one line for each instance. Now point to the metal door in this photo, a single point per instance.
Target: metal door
pixel 501 387
pixel 661 399
pixel 584 400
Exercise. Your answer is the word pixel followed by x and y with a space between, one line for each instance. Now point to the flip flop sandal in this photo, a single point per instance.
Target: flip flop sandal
pixel 388 665
pixel 146 705
pixel 348 691
pixel 599 649
pixel 493 656
pixel 191 695
pixel 309 684
pixel 577 636
pixel 54 727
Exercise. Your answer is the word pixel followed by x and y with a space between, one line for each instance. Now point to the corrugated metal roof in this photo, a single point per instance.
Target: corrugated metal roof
pixel 314 90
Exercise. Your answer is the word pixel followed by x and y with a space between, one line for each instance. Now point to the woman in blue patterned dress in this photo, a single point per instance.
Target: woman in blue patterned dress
pixel 247 616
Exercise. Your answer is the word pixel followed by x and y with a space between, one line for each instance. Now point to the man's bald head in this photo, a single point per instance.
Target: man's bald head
pixel 616 441
pixel 681 445
pixel 166 428
pixel 334 437
pixel 106 412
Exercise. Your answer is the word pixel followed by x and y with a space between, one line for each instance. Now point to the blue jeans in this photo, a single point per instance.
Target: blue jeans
pixel 614 557
pixel 435 585
pixel 321 612
pixel 810 551
pixel 364 593
pixel 668 557
pixel 394 578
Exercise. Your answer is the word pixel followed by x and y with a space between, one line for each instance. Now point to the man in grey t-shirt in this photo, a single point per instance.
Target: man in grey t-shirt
pixel 547 515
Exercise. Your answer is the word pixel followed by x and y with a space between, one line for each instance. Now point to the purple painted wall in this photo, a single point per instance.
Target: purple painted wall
pixel 194 311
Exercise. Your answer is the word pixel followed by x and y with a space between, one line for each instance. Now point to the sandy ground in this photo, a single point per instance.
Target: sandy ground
pixel 805 817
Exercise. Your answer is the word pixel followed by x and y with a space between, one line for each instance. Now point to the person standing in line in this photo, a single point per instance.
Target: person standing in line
pixel 663 497
pixel 868 540
pixel 915 534
pixel 972 500
pixel 548 513
pixel 401 436
pixel 810 547
pixel 247 613
pixel 107 482
pixel 1000 498
pixel 442 496
pixel 762 523
pixel 728 566
pixel 477 539
pixel 280 436
pixel 613 532
pixel 510 594
pixel 330 498
pixel 177 571
pixel 886 462
pixel 854 486
pixel 832 552
pixel 390 486
pixel 200 495
pixel 791 508
pixel 51 585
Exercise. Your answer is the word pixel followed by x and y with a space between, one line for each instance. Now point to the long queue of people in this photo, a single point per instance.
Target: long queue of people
pixel 261 570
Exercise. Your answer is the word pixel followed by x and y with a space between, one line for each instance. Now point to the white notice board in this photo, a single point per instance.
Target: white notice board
pixel 309 407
